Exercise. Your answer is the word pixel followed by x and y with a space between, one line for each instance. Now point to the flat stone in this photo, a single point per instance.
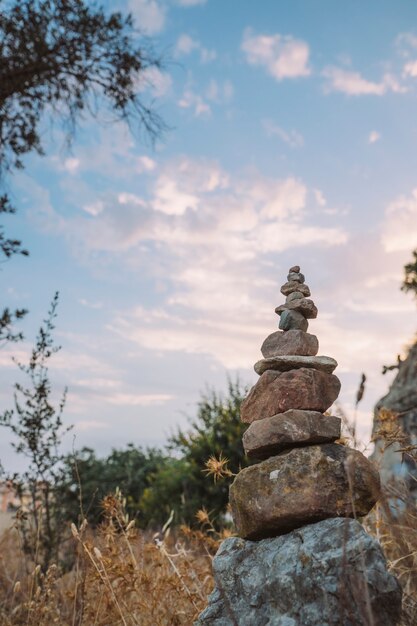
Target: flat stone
pixel 303 305
pixel 291 286
pixel 302 486
pixel 286 363
pixel 276 392
pixel 290 342
pixel 269 436
pixel 295 268
pixel 300 278
pixel 295 295
pixel 293 320
pixel 330 573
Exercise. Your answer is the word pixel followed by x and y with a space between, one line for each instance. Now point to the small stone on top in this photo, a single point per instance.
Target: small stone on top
pixel 295 269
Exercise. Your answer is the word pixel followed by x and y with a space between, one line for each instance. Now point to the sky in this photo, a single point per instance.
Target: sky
pixel 292 140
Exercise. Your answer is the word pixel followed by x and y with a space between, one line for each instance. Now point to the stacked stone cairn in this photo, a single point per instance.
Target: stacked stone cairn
pixel 300 559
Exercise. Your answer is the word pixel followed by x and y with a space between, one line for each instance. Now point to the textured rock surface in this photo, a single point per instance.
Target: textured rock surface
pixel 292 320
pixel 396 468
pixel 319 575
pixel 295 295
pixel 285 363
pixel 270 436
pixel 290 342
pixel 276 392
pixel 297 276
pixel 293 285
pixel 302 486
pixel 305 306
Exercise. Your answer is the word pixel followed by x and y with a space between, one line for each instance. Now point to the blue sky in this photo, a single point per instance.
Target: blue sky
pixel 292 140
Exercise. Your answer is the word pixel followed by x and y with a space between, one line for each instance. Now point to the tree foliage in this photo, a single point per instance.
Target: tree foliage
pixel 410 275
pixel 37 428
pixel 88 479
pixel 67 56
pixel 181 485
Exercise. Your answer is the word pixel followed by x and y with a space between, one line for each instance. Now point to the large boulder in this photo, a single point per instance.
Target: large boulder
pixel 331 573
pixel 302 486
pixel 280 343
pixel 276 392
pixel 293 428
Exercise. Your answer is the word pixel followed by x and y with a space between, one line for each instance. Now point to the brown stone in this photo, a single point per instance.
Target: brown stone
pixel 294 268
pixel 290 362
pixel 290 342
pixel 276 392
pixel 293 320
pixel 269 436
pixel 303 305
pixel 293 285
pixel 302 486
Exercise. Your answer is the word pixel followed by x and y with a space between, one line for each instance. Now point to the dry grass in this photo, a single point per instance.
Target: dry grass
pixel 120 577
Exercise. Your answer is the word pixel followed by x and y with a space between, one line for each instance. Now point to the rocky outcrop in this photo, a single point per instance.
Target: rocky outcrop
pixel 399 470
pixel 330 573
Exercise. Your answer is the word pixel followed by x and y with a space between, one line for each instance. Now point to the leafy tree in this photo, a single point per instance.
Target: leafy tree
pixel 181 484
pixel 38 429
pixel 64 58
pixel 410 275
pixel 89 479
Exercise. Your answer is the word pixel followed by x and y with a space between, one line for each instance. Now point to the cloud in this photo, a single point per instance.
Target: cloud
pixel 292 137
pixel 192 100
pixel 410 69
pixel 353 84
pixel 220 92
pixel 190 3
pixel 399 227
pixel 145 164
pixel 159 83
pixel 149 15
pixel 186 45
pixel 282 56
pixel 374 136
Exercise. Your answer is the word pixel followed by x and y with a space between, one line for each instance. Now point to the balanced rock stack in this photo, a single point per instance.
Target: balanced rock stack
pixel 299 558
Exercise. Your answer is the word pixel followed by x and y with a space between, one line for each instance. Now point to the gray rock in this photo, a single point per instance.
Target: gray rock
pixel 290 342
pixel 268 437
pixel 295 295
pixel 295 268
pixel 302 486
pixel 295 286
pixel 289 362
pixel 305 306
pixel 299 278
pixel 293 320
pixel 327 574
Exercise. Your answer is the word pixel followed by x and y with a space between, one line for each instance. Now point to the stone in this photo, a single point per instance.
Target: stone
pixel 302 486
pixel 276 392
pixel 295 268
pixel 269 436
pixel 286 363
pixel 290 342
pixel 300 278
pixel 330 573
pixel 293 320
pixel 295 295
pixel 289 287
pixel 306 307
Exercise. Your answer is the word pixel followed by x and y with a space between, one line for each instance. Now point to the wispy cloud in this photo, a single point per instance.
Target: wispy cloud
pixel 353 83
pixel 291 137
pixel 282 56
pixel 399 226
pixel 190 3
pixel 187 45
pixel 374 136
pixel 194 101
pixel 149 14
